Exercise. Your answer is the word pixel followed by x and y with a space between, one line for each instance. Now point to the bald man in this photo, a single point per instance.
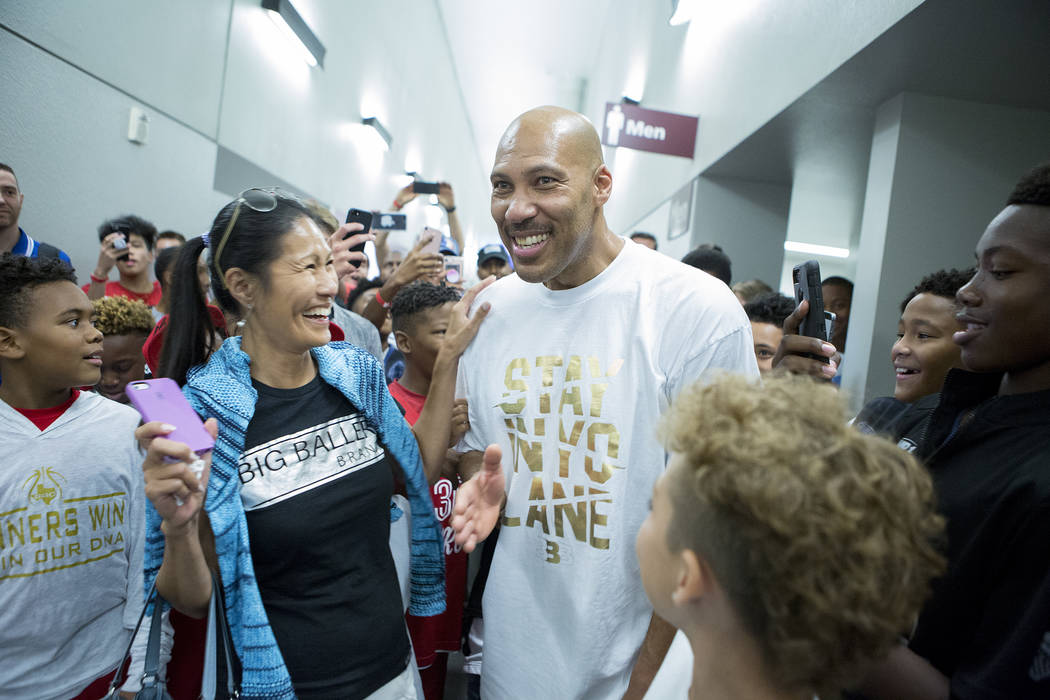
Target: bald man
pixel 584 348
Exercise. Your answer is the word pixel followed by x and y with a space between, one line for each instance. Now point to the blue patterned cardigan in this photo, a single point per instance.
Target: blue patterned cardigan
pixel 222 389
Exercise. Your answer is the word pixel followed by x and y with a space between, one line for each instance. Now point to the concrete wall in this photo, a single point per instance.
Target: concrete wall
pixel 940 170
pixel 216 74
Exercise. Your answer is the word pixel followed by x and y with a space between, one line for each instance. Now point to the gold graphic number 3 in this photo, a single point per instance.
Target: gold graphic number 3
pixel 553 557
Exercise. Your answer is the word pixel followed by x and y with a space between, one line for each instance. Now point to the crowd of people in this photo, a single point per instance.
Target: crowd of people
pixel 665 490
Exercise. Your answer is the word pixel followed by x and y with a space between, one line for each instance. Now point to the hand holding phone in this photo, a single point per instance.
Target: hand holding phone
pixel 161 400
pixel 817 322
pixel 120 243
pixel 433 246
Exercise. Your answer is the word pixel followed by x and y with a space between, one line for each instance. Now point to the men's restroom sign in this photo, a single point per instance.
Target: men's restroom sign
pixel 629 126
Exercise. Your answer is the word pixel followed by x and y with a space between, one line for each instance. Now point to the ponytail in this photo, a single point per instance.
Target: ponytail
pixel 189 338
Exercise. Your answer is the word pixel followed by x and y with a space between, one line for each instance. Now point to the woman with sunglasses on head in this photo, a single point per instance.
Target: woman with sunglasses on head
pixel 310 448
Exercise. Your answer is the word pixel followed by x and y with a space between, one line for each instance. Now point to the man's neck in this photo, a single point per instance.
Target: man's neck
pixel 140 283
pixel 599 253
pixel 23 394
pixel 9 237
pixel 414 379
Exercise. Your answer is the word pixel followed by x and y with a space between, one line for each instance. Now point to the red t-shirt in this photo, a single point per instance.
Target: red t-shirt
pixel 44 417
pixel 155 340
pixel 438 633
pixel 116 289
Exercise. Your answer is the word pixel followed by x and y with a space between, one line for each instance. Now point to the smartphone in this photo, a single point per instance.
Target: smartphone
pixel 162 400
pixel 359 216
pixel 453 269
pixel 433 247
pixel 817 322
pixel 421 187
pixel 391 222
pixel 121 243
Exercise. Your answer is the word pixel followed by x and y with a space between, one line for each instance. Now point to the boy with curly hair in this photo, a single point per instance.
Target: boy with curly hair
pixel 789 549
pixel 125 324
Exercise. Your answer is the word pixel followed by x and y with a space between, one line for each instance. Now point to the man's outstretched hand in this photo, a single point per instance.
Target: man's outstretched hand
pixel 479 501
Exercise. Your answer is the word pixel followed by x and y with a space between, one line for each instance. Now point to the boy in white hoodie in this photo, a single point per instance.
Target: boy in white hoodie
pixel 71 493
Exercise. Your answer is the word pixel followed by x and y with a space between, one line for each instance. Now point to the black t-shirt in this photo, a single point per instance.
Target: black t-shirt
pixel 316 487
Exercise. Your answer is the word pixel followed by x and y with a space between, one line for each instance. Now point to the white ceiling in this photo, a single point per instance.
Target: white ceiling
pixel 511 57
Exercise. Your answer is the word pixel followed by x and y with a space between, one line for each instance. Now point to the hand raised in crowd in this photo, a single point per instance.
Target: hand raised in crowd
pixel 346 237
pixel 108 254
pixel 462 325
pixel 460 421
pixel 419 265
pixel 479 501
pixel 171 486
pixel 792 353
pixel 445 197
pixel 405 195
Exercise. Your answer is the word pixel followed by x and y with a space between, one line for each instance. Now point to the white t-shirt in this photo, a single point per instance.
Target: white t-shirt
pixel 571 384
pixel 72 512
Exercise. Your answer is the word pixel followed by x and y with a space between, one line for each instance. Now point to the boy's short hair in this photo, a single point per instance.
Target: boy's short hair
pixel 646 235
pixel 836 281
pixel 417 297
pixel 138 226
pixel 19 275
pixel 943 283
pixel 122 316
pixel 750 290
pixel 823 538
pixel 1033 188
pixel 172 235
pixel 710 258
pixel 770 308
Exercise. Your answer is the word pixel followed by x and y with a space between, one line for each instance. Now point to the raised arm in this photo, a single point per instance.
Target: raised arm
pixel 177 495
pixel 434 424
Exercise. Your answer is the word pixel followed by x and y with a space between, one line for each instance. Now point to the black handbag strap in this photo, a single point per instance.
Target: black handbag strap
pixel 154 640
pixel 153 688
pixel 229 664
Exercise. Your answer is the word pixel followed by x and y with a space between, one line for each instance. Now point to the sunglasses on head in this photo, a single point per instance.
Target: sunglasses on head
pixel 256 199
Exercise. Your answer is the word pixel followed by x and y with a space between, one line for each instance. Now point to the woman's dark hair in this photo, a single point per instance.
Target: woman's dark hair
pixel 252 245
pixel 162 262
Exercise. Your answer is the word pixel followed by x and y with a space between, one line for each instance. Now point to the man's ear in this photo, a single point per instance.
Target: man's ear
pixel 243 286
pixel 694 578
pixel 404 342
pixel 602 184
pixel 10 344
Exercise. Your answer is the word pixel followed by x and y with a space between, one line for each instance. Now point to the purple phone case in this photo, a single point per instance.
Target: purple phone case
pixel 162 400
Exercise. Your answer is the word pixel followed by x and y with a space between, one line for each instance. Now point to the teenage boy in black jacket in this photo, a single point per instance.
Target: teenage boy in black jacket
pixel 986 631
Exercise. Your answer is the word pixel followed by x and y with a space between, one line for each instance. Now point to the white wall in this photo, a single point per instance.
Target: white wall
pixel 81 66
pixel 940 171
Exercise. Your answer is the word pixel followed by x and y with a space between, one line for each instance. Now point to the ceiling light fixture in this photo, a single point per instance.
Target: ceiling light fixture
pixel 814 249
pixel 380 131
pixel 296 31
